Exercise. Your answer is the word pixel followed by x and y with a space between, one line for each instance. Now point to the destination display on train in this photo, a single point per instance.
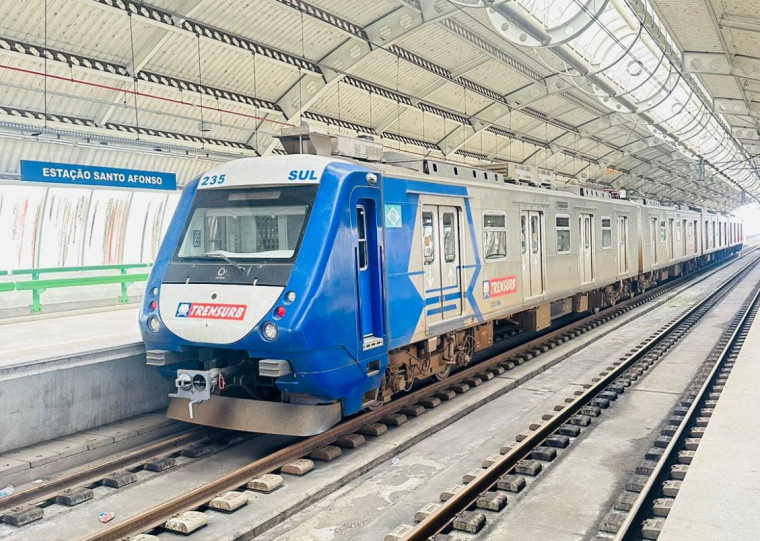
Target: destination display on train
pixel 94 175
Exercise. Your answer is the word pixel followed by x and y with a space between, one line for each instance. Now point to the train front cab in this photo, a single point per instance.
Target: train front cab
pixel 330 344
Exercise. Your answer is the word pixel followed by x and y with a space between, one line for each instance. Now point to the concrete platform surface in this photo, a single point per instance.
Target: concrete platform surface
pixel 34 339
pixel 720 496
pixel 63 374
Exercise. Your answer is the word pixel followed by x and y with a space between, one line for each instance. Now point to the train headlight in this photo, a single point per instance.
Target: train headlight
pixel 154 324
pixel 290 296
pixel 269 331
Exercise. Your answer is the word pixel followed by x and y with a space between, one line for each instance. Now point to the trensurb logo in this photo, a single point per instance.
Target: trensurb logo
pixel 200 310
pixel 499 286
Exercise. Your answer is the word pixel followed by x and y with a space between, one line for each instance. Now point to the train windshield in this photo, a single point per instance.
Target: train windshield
pixel 247 225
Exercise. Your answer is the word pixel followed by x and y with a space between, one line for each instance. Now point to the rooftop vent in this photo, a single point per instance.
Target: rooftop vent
pixel 303 140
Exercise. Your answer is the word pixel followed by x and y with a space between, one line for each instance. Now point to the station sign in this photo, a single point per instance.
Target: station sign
pixel 95 175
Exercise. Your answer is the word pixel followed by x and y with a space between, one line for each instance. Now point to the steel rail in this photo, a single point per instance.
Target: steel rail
pixel 635 514
pixel 443 516
pixel 157 515
pixel 95 472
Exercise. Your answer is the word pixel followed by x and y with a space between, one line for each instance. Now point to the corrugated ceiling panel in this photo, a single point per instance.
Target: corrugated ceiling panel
pixel 723 86
pixel 552 105
pixel 736 9
pixel 485 143
pixel 427 127
pixel 385 71
pixel 690 24
pixel 441 47
pixel 744 42
pixel 224 67
pixel 576 116
pixel 274 24
pixel 361 13
pixel 456 98
pixel 67 27
pixel 347 103
pixel 519 121
pixel 26 90
pixel 546 132
pixel 500 78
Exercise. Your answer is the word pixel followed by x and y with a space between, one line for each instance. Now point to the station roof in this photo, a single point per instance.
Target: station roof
pixel 661 98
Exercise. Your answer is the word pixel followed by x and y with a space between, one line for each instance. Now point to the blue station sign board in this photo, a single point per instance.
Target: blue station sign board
pixel 94 175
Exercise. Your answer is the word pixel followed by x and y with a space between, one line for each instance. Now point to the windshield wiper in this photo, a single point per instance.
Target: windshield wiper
pixel 221 254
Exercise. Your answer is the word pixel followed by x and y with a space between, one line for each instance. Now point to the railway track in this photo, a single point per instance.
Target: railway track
pixel 465 507
pixel 411 403
pixel 156 457
pixel 641 513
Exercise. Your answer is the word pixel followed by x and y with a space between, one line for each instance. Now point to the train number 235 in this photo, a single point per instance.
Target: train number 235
pixel 214 179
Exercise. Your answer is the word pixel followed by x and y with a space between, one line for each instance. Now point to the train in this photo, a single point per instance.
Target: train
pixel 292 291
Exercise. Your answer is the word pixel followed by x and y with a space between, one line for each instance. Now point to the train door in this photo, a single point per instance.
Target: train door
pixel 586 222
pixel 367 258
pixel 622 235
pixel 531 223
pixel 671 238
pixel 683 238
pixel 441 262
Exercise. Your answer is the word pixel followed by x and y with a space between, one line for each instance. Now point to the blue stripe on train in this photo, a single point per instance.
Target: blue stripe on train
pixel 447 308
pixel 449 297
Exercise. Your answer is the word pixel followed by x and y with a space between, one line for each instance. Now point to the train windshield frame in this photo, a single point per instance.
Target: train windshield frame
pixel 246 225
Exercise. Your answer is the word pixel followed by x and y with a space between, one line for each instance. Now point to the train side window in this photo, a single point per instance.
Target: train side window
pixel 678 231
pixel 428 240
pixel 361 229
pixel 562 224
pixel 449 252
pixel 606 232
pixel 494 236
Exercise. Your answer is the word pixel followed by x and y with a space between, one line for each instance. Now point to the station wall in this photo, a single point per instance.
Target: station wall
pixel 50 226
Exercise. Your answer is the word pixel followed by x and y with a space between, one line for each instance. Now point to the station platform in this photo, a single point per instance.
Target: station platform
pixel 66 373
pixel 720 495
pixel 34 339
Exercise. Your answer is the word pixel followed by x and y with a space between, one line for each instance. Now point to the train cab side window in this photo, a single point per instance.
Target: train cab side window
pixel 494 236
pixel 361 228
pixel 606 232
pixel 523 234
pixel 428 240
pixel 563 234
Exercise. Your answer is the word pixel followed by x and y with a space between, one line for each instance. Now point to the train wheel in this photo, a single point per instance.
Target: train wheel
pixel 443 374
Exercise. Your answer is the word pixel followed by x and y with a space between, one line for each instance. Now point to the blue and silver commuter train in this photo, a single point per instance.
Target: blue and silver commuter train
pixel 291 291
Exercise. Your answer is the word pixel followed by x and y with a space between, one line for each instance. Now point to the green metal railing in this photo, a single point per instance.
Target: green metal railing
pixel 38 286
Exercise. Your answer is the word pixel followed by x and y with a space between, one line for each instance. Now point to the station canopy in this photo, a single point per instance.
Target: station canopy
pixel 657 97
